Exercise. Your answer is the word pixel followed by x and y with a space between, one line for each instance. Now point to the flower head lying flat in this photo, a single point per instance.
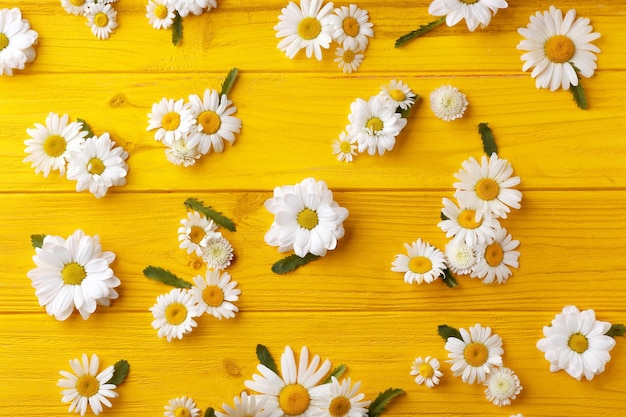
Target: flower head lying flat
pixel 460 223
pixel 160 14
pixel 193 231
pixel 250 406
pixel 475 13
pixel 426 371
pixel 474 353
pixel 448 103
pixel 351 27
pixel 174 314
pixel 348 60
pixel 100 14
pixel 17 41
pixel 345 147
pixel 183 406
pixel 215 294
pixel 503 386
pixel 339 399
pixel 496 257
pixel 424 263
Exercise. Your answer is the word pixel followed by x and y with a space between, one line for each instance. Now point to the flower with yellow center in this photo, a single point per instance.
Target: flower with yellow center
pixel 172 119
pixel 460 223
pixel 215 294
pixel 339 399
pixel 181 407
pixel 503 386
pixel 76 7
pixel 351 27
pixel 348 60
pixel 496 257
pixel 559 48
pixel 251 406
pixel 398 94
pixel 194 230
pixel 305 27
pixel 215 121
pixel 474 354
pixel 424 263
pixel 102 19
pixel 345 147
pixel 174 314
pixel 426 371
pixel 475 12
pixel 17 41
pixel 160 14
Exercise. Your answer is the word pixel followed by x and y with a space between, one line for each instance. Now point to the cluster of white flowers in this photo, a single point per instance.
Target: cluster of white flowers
pixel 101 15
pixel 95 162
pixel 199 236
pixel 17 41
pixel 313 26
pixel 161 13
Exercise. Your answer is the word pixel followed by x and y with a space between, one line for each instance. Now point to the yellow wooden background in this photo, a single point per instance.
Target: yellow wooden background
pixel 348 307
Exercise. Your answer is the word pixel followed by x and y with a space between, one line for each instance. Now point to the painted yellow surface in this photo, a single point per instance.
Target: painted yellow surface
pixel 348 307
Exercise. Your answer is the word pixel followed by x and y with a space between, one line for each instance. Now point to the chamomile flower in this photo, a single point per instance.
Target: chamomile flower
pixel 102 19
pixel 50 145
pixel 426 371
pixel 183 152
pixel 250 406
pixel 193 230
pixel 305 27
pixel 424 263
pixel 502 386
pixel 160 14
pixel 291 390
pixel 460 257
pixel 558 47
pixel 398 94
pixel 215 121
pixel 475 12
pixel 183 406
pixel 17 41
pixel 474 355
pixel 98 166
pixel 174 314
pixel 488 186
pixel 215 294
pixel 76 7
pixel 86 387
pixel 348 60
pixel 307 219
pixel 195 7
pixel 351 27
pixel 339 399
pixel 73 273
pixel 173 119
pixel 217 252
pixel 448 103
pixel 496 256
pixel 461 224
pixel 577 343
pixel 345 147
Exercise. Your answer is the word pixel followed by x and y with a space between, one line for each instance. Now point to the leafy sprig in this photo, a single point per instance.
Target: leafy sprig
pixel 208 211
pixel 382 400
pixel 265 358
pixel 37 240
pixel 210 412
pixel 423 29
pixel 449 279
pixel 337 372
pixel 446 331
pixel 86 128
pixel 177 29
pixel 120 372
pixel 616 330
pixel 578 92
pixel 228 83
pixel 166 277
pixel 489 143
pixel 292 262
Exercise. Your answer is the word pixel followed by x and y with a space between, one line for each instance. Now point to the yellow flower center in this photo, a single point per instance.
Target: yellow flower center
pixel 339 406
pixel 351 26
pixel 77 2
pixel 348 56
pixel 73 274
pixel 494 254
pixel 578 343
pixel 397 94
pixel 210 122
pixel 375 124
pixel 426 370
pixel 213 295
pixel 175 313
pixel 467 219
pixel 54 145
pixel 476 354
pixel 294 399
pixel 101 20
pixel 487 189
pixel 308 219
pixel 309 28
pixel 196 234
pixel 420 264
pixel 95 166
pixel 469 1
pixel 4 41
pixel 161 11
pixel 559 49
pixel 182 412
pixel 345 146
pixel 87 385
pixel 170 120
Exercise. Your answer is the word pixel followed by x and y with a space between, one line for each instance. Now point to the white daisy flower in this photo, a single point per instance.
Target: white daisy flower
pixel 345 147
pixel 307 219
pixel 174 314
pixel 488 186
pixel 556 45
pixel 86 387
pixel 17 41
pixel 398 94
pixel 461 224
pixel 183 152
pixel 306 27
pixel 577 343
pixel 351 27
pixel 426 371
pixel 195 7
pixel 51 145
pixel 250 406
pixel 496 256
pixel 216 294
pixel 73 274
pixel 348 60
pixel 160 14
pixel 98 166
pixel 460 257
pixel 475 355
pixel 193 230
pixel 448 103
pixel 102 19
pixel 375 124
pixel 337 399
pixel 173 119
pixel 76 7
pixel 215 121
pixel 502 386
pixel 291 391
pixel 475 12
pixel 181 407
pixel 217 252
pixel 424 263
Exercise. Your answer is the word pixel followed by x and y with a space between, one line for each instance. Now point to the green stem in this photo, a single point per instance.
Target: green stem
pixel 419 31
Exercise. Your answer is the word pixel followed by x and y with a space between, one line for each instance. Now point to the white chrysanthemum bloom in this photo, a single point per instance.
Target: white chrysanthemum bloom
pixel 556 46
pixel 398 94
pixel 193 230
pixel 345 147
pixel 461 224
pixel 424 263
pixel 307 219
pixel 475 12
pixel 217 252
pixel 250 406
pixel 183 152
pixel 174 314
pixel 181 407
pixel 98 166
pixel 473 356
pixel 306 27
pixel 496 256
pixel 502 386
pixel 73 274
pixel 86 387
pixel 348 60
pixel 448 103
pixel 351 27
pixel 160 14
pixel 577 343
pixel 51 145
pixel 102 19
pixel 426 371
pixel 291 391
pixel 375 124
pixel 460 257
pixel 216 294
pixel 17 41
pixel 488 186
pixel 339 399
pixel 195 7
pixel 76 7
pixel 173 119
pixel 215 121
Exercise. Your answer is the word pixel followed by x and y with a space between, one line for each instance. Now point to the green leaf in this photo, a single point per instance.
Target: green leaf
pixel 86 128
pixel 443 216
pixel 616 330
pixel 378 405
pixel 419 31
pixel 578 92
pixel 446 331
pixel 292 262
pixel 210 412
pixel 337 372
pixel 405 113
pixel 120 372
pixel 37 240
pixel 166 277
pixel 489 143
pixel 229 81
pixel 449 279
pixel 177 29
pixel 216 216
pixel 265 358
